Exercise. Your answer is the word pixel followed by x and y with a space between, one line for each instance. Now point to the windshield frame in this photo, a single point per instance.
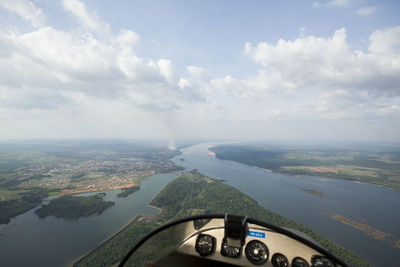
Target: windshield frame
pixel 278 229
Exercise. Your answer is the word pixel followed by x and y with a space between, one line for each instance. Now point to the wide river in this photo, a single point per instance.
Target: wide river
pixel 30 241
pixel 375 206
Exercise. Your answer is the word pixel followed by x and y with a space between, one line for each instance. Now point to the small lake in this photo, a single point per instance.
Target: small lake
pixel 30 241
pixel 375 206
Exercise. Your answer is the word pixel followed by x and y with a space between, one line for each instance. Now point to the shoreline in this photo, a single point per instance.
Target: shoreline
pixel 322 177
pixel 326 178
pixel 75 192
pixel 263 169
pixel 124 228
pixel 309 174
pixel 109 239
pixel 103 243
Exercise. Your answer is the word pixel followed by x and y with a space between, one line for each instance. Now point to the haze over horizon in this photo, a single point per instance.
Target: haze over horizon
pixel 288 70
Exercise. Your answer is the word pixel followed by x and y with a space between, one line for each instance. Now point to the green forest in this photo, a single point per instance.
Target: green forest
pixel 74 207
pixel 191 194
pixel 22 202
pixel 128 191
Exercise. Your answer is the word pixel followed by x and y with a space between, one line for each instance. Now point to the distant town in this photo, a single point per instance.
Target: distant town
pixel 30 173
pixel 91 175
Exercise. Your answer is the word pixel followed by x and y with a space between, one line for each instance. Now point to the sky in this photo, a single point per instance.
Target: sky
pixel 271 70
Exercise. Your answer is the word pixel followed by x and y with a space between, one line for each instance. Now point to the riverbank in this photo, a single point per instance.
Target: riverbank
pixel 80 191
pixel 102 244
pixel 136 218
pixel 184 197
pixel 136 182
pixel 123 229
pixel 375 168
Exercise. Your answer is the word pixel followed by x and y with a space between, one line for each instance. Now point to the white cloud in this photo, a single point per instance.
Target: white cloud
pixel 315 62
pixel 88 18
pixel 366 10
pixel 127 38
pixel 320 80
pixel 30 98
pixel 167 70
pixel 50 63
pixel 390 110
pixel 26 10
pixel 95 81
pixel 386 42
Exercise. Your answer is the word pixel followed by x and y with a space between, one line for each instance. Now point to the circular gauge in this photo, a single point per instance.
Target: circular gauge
pixel 321 261
pixel 256 252
pixel 279 260
pixel 205 245
pixel 227 251
pixel 299 262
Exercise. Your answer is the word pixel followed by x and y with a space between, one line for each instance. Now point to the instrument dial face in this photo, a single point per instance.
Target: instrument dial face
pixel 321 261
pixel 299 262
pixel 227 251
pixel 205 244
pixel 256 252
pixel 279 260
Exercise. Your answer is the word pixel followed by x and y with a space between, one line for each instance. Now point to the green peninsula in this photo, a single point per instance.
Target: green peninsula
pixel 74 207
pixel 191 194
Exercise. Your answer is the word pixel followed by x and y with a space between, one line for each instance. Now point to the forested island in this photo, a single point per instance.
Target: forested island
pixel 370 164
pixel 315 192
pixel 74 207
pixel 191 194
pixel 128 191
pixel 370 231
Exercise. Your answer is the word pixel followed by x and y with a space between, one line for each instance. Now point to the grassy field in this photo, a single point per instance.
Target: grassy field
pixel 6 195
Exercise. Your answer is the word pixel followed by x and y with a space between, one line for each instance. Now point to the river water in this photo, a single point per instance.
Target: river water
pixel 30 241
pixel 375 206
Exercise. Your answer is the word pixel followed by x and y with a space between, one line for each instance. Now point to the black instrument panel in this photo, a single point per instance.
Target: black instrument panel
pixel 255 252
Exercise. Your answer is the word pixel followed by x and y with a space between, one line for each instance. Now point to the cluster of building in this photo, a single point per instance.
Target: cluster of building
pixel 96 173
